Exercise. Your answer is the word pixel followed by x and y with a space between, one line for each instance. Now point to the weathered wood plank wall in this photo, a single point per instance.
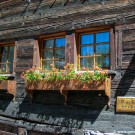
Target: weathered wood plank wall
pixel 23 22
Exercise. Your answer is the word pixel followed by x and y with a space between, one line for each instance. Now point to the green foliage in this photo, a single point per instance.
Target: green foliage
pixel 36 74
pixel 32 74
pixel 3 78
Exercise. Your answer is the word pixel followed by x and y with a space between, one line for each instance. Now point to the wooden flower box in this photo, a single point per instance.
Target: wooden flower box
pixel 9 85
pixel 65 86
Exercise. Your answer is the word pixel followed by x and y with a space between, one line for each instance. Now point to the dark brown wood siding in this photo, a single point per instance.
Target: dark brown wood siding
pixel 25 22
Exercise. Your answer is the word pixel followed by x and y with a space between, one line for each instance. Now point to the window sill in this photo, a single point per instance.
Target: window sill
pixel 8 75
pixel 110 72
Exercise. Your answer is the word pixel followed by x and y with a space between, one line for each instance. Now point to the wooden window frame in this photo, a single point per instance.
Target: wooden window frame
pixel 112 53
pixel 5 44
pixel 72 50
pixel 47 37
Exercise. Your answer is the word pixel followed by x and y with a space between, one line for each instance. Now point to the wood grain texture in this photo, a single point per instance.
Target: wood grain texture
pixel 21 22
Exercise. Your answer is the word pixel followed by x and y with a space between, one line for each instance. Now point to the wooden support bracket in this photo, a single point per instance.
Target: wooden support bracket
pixel 30 92
pixel 65 94
pixel 108 90
pixel 12 88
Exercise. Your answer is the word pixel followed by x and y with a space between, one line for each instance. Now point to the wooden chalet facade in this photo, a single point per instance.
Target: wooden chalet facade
pixel 41 32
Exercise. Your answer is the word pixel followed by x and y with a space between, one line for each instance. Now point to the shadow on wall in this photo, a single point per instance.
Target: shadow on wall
pixel 5 100
pixel 48 107
pixel 125 86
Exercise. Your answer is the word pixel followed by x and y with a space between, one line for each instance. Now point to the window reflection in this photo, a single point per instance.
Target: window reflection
pixel 102 49
pixel 60 42
pixel 48 43
pixel 48 54
pixel 87 39
pixel 59 64
pixel 102 37
pixel 54 53
pixel 87 62
pixel 46 64
pixel 95 50
pixel 59 53
pixel 103 61
pixel 6 59
pixel 87 50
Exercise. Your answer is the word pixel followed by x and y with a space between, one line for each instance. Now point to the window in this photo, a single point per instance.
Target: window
pixel 53 52
pixel 94 50
pixel 6 59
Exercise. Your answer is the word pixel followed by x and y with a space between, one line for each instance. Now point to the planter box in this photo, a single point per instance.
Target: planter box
pixel 65 86
pixel 9 85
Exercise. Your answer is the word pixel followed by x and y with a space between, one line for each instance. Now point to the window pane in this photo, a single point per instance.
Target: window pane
pixel 103 61
pixel 60 42
pixel 5 51
pixel 102 49
pixel 87 39
pixel 10 58
pixel 6 59
pixel 48 54
pixel 102 37
pixel 87 62
pixel 59 64
pixel 3 59
pixel 10 68
pixel 1 50
pixel 2 68
pixel 11 49
pixel 49 43
pixel 46 64
pixel 59 53
pixel 87 50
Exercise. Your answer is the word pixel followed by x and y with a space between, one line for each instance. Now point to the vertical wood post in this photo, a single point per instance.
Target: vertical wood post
pixel 27 53
pixel 36 54
pixel 113 48
pixel 71 49
pixel 119 45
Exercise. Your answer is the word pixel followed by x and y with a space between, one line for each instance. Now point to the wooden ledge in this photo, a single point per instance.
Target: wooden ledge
pixel 65 86
pixel 110 72
pixel 9 85
pixel 8 75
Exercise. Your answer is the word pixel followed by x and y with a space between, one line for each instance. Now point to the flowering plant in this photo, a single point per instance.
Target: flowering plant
pixel 68 73
pixel 33 74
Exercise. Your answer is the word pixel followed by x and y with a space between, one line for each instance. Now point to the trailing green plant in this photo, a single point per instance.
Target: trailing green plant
pixel 3 78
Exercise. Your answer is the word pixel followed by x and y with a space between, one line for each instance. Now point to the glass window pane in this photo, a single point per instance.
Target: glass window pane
pixel 1 49
pixel 47 54
pixel 48 43
pixel 10 68
pixel 7 55
pixel 60 42
pixel 102 49
pixel 11 49
pixel 46 64
pixel 5 50
pixel 59 53
pixel 87 39
pixel 2 68
pixel 103 61
pixel 3 59
pixel 87 62
pixel 87 50
pixel 10 58
pixel 59 64
pixel 102 37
